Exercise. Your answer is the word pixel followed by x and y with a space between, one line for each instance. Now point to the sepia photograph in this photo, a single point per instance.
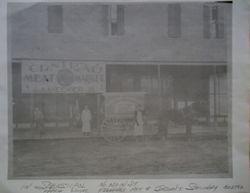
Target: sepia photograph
pixel 131 90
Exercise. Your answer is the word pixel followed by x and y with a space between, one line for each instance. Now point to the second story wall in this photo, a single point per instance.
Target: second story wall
pixel 84 34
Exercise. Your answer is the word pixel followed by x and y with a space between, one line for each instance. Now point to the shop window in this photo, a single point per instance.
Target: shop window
pixel 167 85
pixel 115 82
pixel 149 84
pixel 213 21
pixel 145 83
pixel 55 19
pixel 126 78
pixel 218 97
pixel 174 20
pixel 128 83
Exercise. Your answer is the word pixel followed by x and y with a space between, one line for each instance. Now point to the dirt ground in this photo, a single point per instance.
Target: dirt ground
pixel 96 157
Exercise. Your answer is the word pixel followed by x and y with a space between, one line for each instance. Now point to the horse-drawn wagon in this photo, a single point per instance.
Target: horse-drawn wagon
pixel 119 114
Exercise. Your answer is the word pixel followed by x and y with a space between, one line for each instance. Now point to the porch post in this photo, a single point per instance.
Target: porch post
pixel 215 100
pixel 159 86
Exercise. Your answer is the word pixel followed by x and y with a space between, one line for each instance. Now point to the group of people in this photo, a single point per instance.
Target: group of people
pixel 77 118
pixel 186 114
pixel 82 118
pixel 165 116
pixel 86 119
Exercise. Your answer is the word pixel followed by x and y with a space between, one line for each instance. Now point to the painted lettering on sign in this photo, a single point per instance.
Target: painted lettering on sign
pixel 62 77
pixel 123 104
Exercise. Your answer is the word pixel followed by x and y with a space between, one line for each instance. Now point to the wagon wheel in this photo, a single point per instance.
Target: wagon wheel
pixel 113 133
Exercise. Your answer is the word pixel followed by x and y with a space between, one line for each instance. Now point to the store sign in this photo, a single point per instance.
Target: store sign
pixel 62 77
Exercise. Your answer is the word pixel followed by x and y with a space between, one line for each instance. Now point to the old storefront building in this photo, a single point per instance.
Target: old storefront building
pixel 65 56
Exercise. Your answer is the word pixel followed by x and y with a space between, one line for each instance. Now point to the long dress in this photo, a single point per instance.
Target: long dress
pixel 86 118
pixel 138 123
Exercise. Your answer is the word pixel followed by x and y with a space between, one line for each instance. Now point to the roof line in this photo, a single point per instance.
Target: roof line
pixel 124 61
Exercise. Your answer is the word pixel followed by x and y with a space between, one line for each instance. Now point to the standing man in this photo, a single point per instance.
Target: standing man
pixel 86 120
pixel 38 120
pixel 164 123
pixel 71 116
pixel 188 117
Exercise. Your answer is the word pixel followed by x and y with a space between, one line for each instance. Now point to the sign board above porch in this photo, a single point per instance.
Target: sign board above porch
pixel 62 77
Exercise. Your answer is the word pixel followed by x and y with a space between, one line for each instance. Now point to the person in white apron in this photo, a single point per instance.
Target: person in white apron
pixel 86 120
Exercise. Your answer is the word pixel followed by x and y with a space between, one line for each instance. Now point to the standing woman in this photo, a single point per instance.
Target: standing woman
pixel 138 122
pixel 86 119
